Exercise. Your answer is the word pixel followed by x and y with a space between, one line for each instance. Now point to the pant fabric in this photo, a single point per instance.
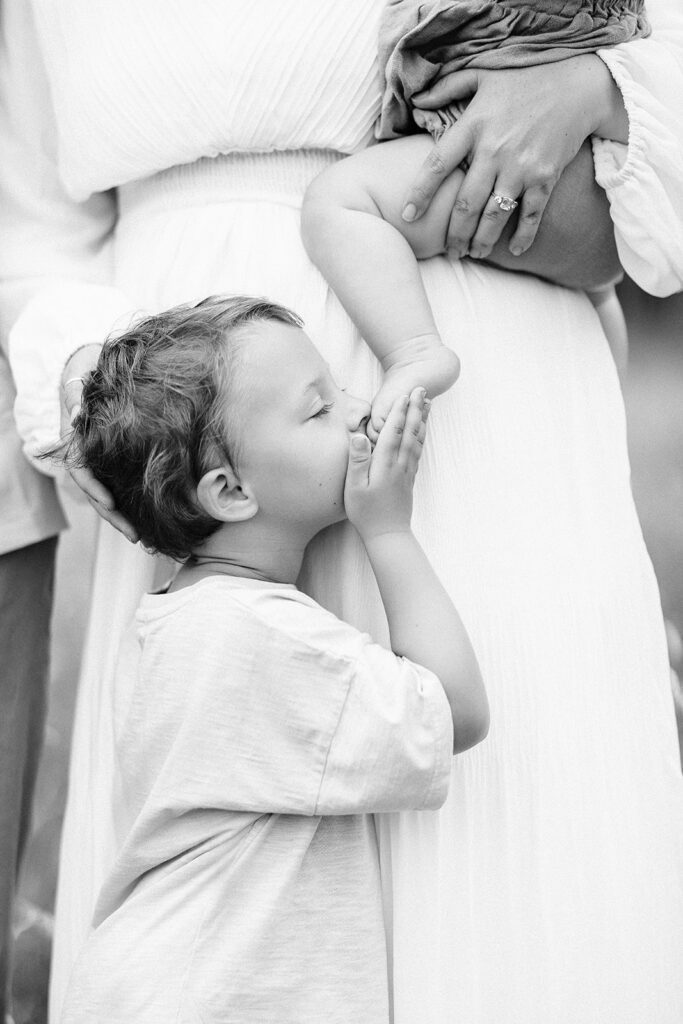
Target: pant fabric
pixel 26 584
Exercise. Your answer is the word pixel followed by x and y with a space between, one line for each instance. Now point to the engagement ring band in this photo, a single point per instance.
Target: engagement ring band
pixel 506 204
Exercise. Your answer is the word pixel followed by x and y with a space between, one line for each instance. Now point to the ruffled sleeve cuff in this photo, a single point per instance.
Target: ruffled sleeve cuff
pixel 57 321
pixel 643 180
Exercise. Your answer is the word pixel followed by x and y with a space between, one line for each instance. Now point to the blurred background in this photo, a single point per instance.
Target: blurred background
pixel 653 393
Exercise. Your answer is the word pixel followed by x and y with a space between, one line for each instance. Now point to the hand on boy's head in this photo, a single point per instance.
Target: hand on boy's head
pixel 78 367
pixel 378 494
pixel 102 501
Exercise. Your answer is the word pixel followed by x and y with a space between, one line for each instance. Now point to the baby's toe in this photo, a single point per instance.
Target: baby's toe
pixel 375 424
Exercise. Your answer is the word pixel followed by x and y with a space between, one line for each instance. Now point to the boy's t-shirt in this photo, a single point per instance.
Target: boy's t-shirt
pixel 256 734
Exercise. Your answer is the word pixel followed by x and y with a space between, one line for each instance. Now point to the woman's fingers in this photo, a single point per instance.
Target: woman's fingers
pixel 455 86
pixel 70 405
pixel 472 197
pixel 498 209
pixel 531 208
pixel 520 130
pixel 116 520
pixel 446 154
pixel 92 488
pixel 103 502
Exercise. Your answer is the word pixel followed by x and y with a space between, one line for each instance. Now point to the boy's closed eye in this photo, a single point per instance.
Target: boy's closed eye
pixel 323 410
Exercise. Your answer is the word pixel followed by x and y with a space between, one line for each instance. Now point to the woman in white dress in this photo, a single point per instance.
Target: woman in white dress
pixel 550 887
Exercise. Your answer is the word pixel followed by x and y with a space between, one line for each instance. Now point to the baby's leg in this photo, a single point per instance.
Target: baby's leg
pixel 611 315
pixel 353 230
pixel 420 362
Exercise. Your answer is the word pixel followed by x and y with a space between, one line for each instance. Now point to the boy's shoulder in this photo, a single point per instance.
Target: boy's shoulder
pixel 245 611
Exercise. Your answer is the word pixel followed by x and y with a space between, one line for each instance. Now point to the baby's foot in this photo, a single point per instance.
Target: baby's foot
pixel 431 366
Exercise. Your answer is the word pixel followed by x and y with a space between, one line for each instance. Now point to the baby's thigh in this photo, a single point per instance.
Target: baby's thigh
pixel 391 169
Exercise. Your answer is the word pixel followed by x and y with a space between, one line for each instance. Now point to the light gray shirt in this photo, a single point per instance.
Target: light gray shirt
pixel 257 734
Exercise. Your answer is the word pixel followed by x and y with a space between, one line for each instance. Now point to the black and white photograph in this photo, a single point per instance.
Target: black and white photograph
pixel 341 512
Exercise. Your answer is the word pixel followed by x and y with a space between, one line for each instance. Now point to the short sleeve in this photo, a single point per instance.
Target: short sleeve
pixel 393 745
pixel 644 180
pixel 268 722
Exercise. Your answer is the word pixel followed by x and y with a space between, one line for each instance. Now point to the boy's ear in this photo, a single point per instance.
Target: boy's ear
pixel 220 494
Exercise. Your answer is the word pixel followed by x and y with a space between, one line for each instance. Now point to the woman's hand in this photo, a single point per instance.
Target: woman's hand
pixel 81 363
pixel 520 130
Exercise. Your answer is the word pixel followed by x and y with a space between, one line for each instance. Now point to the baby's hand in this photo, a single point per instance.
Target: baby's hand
pixel 378 495
pixel 422 362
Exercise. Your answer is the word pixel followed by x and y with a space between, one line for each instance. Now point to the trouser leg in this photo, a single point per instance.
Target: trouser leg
pixel 26 581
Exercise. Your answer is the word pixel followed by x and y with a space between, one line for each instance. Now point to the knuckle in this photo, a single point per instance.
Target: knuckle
pixel 435 162
pixel 461 205
pixel 531 216
pixel 457 244
pixel 420 193
pixel 488 150
pixel 544 176
pixel 493 213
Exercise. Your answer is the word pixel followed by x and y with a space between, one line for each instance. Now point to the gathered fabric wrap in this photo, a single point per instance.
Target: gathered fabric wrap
pixel 420 43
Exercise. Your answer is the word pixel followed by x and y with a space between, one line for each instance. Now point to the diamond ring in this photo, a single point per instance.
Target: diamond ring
pixel 506 204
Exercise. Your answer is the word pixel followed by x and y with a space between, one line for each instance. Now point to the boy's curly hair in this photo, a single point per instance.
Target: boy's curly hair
pixel 155 415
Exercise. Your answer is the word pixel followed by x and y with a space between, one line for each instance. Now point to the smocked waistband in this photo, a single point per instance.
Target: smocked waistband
pixel 277 177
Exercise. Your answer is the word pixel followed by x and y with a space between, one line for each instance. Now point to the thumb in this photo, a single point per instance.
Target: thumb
pixel 455 86
pixel 359 459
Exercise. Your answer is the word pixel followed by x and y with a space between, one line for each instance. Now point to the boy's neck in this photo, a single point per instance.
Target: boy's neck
pixel 253 550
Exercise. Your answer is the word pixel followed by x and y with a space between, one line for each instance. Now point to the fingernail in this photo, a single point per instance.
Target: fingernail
pixel 409 212
pixel 516 250
pixel 475 252
pixel 358 442
pixel 422 392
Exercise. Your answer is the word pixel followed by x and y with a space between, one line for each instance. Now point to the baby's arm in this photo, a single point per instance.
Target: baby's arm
pixel 423 623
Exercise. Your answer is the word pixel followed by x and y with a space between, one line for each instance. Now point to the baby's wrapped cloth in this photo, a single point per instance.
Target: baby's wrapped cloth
pixel 420 43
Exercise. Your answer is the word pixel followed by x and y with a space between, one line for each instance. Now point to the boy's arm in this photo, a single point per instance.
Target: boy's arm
pixel 423 623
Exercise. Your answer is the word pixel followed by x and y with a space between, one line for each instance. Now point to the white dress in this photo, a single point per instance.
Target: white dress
pixel 549 890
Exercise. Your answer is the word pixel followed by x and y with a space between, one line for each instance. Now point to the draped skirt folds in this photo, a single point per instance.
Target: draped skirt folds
pixel 549 889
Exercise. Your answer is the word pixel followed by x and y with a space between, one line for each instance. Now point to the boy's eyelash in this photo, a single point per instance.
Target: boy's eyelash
pixel 323 410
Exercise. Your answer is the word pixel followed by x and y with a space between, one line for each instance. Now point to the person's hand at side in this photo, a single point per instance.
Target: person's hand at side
pixel 423 623
pixel 77 368
pixel 520 130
